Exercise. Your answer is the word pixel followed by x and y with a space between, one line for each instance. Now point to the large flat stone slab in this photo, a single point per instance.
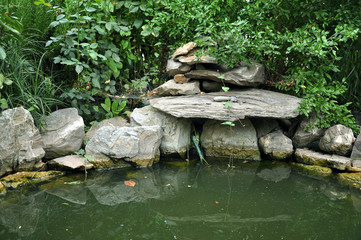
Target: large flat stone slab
pixel 306 156
pixel 245 103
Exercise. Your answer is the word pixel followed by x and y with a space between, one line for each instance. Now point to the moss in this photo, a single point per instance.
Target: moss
pixel 22 178
pixel 222 152
pixel 351 179
pixel 312 170
pixel 2 189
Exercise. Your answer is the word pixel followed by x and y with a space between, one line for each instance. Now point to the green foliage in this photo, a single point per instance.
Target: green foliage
pixel 26 84
pixel 299 48
pixel 102 42
pixel 115 108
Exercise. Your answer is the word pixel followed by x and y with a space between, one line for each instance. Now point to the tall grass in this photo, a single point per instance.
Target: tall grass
pixel 350 68
pixel 31 87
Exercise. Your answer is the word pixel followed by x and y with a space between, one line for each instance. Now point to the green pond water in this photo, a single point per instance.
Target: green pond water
pixel 178 201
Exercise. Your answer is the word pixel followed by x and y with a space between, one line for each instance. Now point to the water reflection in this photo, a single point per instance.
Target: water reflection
pixel 251 200
pixel 20 212
pixel 69 188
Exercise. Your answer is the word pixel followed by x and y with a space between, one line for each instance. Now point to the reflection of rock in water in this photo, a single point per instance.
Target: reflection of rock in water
pixel 275 174
pixel 356 201
pixel 19 213
pixel 333 192
pixel 70 188
pixel 110 189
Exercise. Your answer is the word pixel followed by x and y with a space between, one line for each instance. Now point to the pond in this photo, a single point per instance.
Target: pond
pixel 248 200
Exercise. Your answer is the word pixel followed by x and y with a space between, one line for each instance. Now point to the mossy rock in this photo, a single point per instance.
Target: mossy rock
pixel 21 178
pixel 312 170
pixel 351 179
pixel 2 189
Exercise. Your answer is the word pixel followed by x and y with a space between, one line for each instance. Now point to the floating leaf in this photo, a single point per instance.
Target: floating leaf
pixel 129 183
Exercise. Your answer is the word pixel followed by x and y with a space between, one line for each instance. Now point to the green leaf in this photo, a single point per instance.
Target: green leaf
pixel 93 55
pixel 109 26
pixel 2 53
pixel 107 102
pixel 227 104
pixel 105 107
pixel 95 82
pixel 115 57
pixel 138 23
pixel 79 68
pixel 115 108
pixel 225 89
pixel 228 123
pixel 133 9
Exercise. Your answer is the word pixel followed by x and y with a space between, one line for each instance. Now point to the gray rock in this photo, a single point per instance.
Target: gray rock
pixel 356 150
pixel 70 162
pixel 325 160
pixel 356 163
pixel 211 86
pixel 180 78
pixel 306 136
pixel 21 146
pixel 115 121
pixel 171 88
pixel 183 50
pixel 175 131
pixel 264 126
pixel 245 75
pixel 337 139
pixel 63 132
pixel 137 145
pixel 174 68
pixel 192 59
pixel 276 145
pixel 250 103
pixel 239 141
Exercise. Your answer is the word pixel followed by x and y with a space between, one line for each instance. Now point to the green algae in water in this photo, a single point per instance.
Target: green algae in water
pixel 252 200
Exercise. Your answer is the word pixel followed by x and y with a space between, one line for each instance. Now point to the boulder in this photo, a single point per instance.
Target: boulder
pixel 137 145
pixel 356 150
pixel 193 58
pixel 223 141
pixel 183 50
pixel 264 126
pixel 175 131
pixel 115 121
pixel 312 170
pixel 22 178
pixel 180 78
pixel 315 158
pixel 174 68
pixel 21 147
pixel 337 139
pixel 306 135
pixel 276 146
pixel 351 179
pixel 246 103
pixel 250 75
pixel 63 132
pixel 171 88
pixel 211 86
pixel 70 162
pixel 2 189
